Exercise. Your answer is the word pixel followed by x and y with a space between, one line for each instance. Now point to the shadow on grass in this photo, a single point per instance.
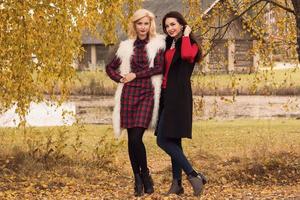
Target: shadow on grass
pixel 271 168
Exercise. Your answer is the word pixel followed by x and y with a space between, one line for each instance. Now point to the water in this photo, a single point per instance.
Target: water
pixel 259 107
pixel 98 110
pixel 42 114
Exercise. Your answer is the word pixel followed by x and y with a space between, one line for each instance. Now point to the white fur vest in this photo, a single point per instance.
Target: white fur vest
pixel 125 52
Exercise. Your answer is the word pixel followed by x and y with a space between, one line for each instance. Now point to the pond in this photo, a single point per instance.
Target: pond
pixel 98 110
pixel 42 114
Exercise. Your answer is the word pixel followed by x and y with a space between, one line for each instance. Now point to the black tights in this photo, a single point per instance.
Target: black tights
pixel 137 151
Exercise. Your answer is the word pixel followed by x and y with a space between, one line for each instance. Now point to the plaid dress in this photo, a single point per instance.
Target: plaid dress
pixel 137 98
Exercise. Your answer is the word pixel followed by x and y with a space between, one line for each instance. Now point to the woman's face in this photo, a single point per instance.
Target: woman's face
pixel 173 27
pixel 142 27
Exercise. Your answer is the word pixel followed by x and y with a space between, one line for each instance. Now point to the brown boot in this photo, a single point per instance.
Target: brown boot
pixel 204 179
pixel 175 188
pixel 138 185
pixel 197 184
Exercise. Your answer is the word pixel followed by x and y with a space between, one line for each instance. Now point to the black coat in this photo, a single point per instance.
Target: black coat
pixel 177 100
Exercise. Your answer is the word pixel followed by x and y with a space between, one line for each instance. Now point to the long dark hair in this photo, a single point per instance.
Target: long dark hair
pixel 180 19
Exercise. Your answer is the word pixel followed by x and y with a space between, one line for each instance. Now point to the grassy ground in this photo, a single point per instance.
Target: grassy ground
pixel 243 159
pixel 93 83
pixel 271 82
pixel 275 82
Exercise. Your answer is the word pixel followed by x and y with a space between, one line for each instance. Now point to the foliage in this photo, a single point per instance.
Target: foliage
pixel 259 157
pixel 40 40
pixel 271 23
pixel 93 83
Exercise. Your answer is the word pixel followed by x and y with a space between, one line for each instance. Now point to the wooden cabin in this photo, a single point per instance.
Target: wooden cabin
pixel 231 54
pixel 96 53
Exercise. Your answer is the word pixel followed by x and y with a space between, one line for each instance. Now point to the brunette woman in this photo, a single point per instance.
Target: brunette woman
pixel 175 121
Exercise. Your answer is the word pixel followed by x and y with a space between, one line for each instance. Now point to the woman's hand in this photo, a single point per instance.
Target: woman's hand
pixel 187 30
pixel 122 80
pixel 129 77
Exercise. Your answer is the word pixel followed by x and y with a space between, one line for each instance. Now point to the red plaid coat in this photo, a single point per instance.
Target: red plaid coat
pixel 137 99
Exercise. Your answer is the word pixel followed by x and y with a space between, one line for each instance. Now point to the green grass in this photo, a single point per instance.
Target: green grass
pixel 245 137
pixel 93 83
pixel 88 136
pixel 272 82
pixel 220 138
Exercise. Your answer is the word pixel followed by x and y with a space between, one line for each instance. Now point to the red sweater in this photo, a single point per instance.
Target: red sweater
pixel 188 52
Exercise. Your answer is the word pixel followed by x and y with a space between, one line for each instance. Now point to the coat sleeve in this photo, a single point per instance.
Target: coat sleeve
pixel 112 69
pixel 188 50
pixel 156 69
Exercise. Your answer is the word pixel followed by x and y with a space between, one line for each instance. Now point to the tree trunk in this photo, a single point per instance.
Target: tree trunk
pixel 296 4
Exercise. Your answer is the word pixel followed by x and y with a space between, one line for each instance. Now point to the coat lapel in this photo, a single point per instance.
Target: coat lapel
pixel 175 58
pixel 177 53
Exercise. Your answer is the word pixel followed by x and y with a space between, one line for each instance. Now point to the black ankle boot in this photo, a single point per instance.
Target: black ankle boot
pixel 148 183
pixel 175 188
pixel 138 185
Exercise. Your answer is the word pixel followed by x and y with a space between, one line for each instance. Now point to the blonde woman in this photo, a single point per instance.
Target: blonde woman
pixel 137 67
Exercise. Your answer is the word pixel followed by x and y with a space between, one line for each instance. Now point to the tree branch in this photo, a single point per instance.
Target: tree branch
pixel 250 7
pixel 260 11
pixel 238 16
pixel 281 6
pixel 214 38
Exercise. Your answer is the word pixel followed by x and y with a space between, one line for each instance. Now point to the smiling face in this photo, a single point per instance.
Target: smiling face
pixel 173 27
pixel 142 27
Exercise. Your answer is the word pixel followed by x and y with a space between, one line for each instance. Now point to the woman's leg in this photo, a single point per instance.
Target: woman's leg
pixel 175 152
pixel 179 161
pixel 137 155
pixel 174 149
pixel 137 151
pixel 176 168
pixel 176 186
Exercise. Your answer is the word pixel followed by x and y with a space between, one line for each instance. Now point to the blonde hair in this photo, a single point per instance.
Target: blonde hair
pixel 139 14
